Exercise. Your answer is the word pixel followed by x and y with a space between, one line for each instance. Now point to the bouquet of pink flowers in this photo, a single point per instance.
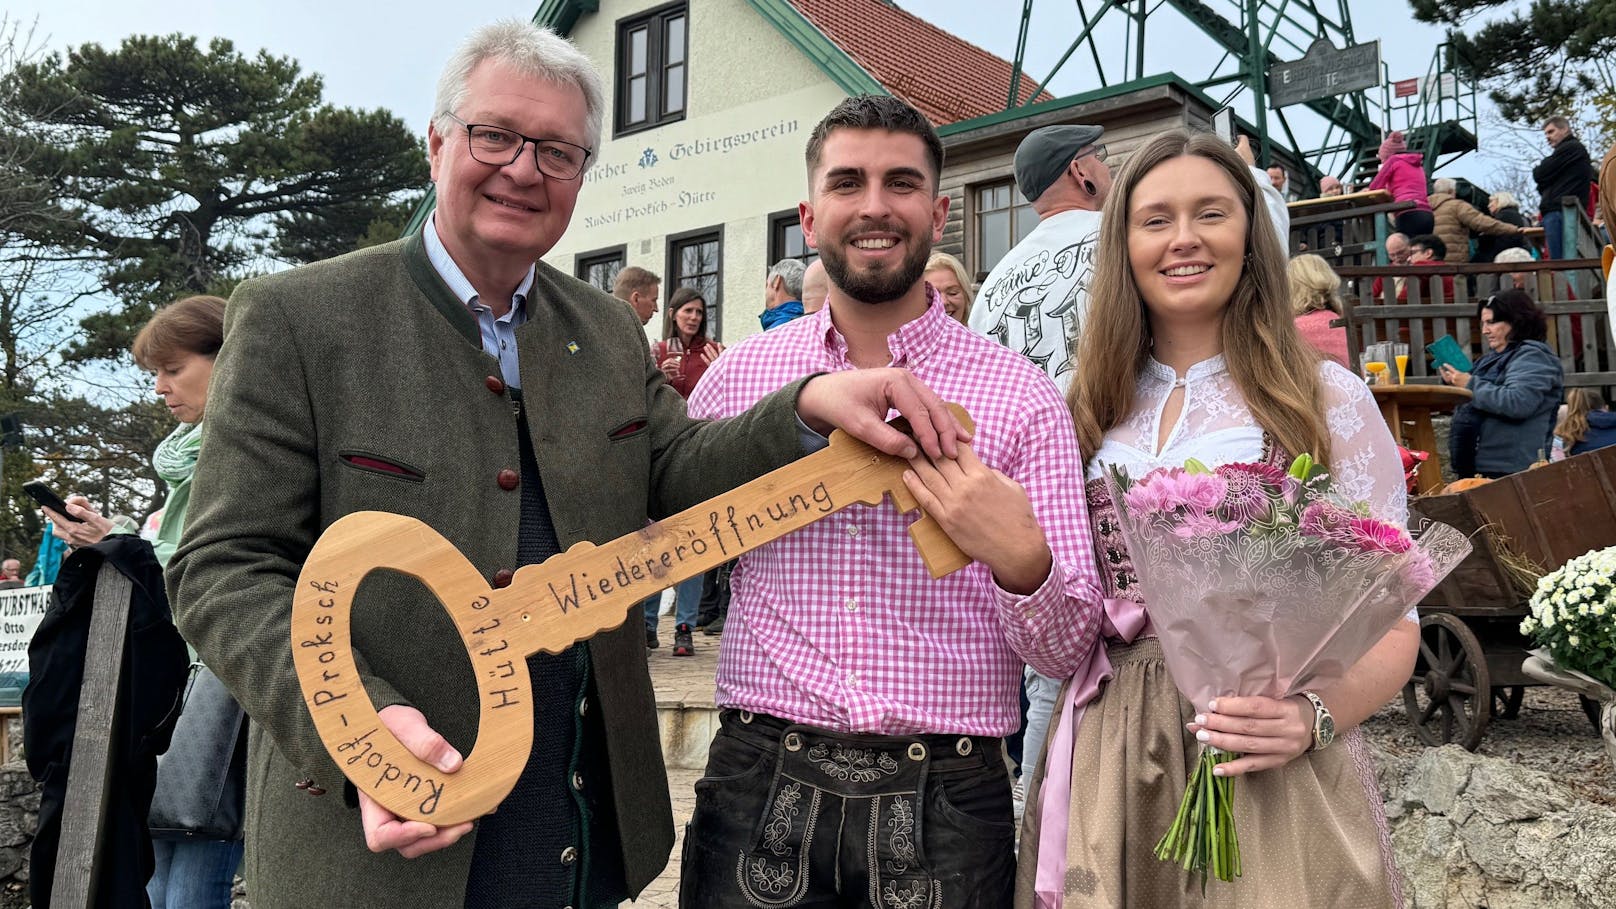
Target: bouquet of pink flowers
pixel 1259 582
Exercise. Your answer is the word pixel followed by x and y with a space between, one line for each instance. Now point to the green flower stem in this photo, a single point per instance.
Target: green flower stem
pixel 1202 836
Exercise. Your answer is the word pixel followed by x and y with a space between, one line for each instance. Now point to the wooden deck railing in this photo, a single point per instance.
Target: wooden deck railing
pixel 1571 292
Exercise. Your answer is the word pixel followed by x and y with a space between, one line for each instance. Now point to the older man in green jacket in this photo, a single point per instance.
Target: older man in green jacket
pixel 517 412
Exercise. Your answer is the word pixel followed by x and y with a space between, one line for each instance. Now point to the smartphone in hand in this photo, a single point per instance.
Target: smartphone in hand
pixel 1223 125
pixel 47 497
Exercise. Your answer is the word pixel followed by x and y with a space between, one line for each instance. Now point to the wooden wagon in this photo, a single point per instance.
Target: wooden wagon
pixel 1520 526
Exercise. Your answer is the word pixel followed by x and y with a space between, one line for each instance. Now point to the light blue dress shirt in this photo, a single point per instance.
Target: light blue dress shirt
pixel 498 334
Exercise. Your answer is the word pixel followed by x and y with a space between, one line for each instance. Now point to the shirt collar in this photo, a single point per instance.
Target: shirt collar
pixel 458 283
pixel 1212 366
pixel 912 344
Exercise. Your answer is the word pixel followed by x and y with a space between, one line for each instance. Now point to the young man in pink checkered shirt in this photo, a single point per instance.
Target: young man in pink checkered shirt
pixel 860 759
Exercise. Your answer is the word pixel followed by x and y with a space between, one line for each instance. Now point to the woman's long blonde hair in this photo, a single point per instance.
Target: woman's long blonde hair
pixel 1573 427
pixel 1275 371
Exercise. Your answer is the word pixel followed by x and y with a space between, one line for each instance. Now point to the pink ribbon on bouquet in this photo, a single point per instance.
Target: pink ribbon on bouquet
pixel 1123 620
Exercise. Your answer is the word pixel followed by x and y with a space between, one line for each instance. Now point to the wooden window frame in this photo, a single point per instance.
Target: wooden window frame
pixel 654 21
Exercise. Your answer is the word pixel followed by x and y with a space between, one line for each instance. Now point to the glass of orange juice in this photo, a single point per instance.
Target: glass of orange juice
pixel 1377 369
pixel 1400 354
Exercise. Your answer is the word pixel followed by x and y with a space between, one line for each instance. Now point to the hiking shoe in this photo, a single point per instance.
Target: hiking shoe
pixel 715 627
pixel 682 645
pixel 651 642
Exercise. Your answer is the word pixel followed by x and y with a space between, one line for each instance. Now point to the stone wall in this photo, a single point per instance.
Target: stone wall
pixel 1482 831
pixel 19 816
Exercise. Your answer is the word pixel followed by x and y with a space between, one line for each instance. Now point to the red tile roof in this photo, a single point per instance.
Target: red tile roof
pixel 946 77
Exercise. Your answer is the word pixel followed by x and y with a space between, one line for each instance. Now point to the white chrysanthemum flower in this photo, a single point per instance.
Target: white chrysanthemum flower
pixel 1573 640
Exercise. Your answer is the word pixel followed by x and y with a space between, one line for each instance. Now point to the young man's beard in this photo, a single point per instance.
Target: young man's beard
pixel 874 286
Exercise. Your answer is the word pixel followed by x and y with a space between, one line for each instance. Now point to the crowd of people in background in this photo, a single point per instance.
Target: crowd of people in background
pixel 1115 332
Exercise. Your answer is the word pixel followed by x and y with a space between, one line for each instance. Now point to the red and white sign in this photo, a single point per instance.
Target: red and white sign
pixel 1405 88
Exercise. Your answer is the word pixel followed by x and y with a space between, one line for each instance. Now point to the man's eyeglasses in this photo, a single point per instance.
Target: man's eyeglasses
pixel 498 146
pixel 1097 151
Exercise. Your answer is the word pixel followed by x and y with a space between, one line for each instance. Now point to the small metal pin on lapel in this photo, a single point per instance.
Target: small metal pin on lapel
pixel 572 347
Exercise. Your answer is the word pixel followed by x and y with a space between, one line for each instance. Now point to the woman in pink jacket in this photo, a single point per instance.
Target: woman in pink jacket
pixel 1402 173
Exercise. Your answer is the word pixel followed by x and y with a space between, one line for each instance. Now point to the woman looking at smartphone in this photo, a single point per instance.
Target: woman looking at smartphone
pixel 177 346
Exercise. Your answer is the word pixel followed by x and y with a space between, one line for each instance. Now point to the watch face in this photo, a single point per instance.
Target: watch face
pixel 1326 729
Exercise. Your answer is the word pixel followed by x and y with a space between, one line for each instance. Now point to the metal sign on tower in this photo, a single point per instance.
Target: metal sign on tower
pixel 1293 70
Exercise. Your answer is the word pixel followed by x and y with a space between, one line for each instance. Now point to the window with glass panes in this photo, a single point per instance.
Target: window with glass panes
pixel 651 68
pixel 600 268
pixel 786 240
pixel 696 259
pixel 1003 218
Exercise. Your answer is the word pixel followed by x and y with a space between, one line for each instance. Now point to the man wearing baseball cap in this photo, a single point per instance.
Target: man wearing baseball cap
pixel 1034 298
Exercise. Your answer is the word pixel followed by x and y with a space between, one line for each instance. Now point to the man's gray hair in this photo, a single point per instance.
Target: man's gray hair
pixel 1444 185
pixel 530 50
pixel 790 271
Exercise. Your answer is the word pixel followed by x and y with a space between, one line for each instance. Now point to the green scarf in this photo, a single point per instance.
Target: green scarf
pixel 175 457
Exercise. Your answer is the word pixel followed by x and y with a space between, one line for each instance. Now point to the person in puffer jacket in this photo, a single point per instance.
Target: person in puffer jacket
pixel 1457 219
pixel 1402 173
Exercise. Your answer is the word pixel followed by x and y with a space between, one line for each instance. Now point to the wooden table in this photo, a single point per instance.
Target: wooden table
pixel 1412 406
pixel 1346 200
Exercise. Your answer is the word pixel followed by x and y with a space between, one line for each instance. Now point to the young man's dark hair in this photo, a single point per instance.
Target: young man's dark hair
pixel 878 112
pixel 1431 243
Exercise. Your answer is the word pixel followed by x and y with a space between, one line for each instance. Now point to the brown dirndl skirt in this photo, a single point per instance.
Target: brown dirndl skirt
pixel 1313 833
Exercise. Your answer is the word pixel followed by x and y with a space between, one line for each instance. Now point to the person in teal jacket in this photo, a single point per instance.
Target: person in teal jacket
pixel 178 347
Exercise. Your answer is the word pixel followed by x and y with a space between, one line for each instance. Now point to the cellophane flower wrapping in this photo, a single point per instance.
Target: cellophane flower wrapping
pixel 1573 614
pixel 1260 581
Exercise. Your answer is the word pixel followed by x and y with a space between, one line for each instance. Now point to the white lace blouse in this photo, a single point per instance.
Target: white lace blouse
pixel 1216 427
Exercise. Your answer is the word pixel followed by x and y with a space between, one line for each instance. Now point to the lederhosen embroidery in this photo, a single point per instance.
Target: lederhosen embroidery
pixel 861 765
pixel 891 777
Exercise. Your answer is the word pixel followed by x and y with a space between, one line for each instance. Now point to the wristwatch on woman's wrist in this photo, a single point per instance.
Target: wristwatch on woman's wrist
pixel 1323 722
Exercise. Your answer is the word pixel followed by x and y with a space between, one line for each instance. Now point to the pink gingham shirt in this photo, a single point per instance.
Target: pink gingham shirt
pixel 839 625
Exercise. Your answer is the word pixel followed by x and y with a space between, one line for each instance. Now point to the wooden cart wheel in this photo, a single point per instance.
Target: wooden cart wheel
pixel 1449 697
pixel 1507 701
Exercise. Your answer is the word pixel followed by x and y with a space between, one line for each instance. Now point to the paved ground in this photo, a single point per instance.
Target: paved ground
pixel 683 680
pixel 664 891
pixel 686 681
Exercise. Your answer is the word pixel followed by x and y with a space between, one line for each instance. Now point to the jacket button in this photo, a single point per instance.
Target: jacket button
pixel 495 385
pixel 502 577
pixel 569 855
pixel 578 782
pixel 508 479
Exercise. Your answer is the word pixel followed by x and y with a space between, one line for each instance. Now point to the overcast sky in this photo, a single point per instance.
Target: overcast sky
pixel 388 55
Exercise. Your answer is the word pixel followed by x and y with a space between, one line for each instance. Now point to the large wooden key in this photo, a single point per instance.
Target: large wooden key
pixel 547 607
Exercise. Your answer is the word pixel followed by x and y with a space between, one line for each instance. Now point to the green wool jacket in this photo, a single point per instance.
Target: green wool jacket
pixel 371 356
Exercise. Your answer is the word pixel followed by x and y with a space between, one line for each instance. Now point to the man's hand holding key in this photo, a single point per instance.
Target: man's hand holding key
pixel 857 402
